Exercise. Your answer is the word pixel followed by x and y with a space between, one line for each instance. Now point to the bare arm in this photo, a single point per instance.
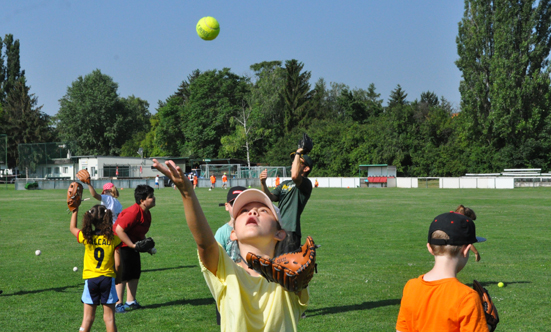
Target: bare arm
pixel 93 192
pixel 196 220
pixel 124 238
pixel 73 225
pixel 265 189
pixel 295 169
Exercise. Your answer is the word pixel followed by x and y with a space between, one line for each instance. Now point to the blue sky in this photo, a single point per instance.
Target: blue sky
pixel 150 47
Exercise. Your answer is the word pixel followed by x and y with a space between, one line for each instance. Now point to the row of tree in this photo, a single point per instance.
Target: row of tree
pixel 504 119
pixel 20 117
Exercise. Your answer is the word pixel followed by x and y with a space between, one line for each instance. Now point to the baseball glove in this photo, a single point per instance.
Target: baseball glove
pixel 492 318
pixel 305 144
pixel 84 176
pixel 144 245
pixel 293 270
pixel 74 196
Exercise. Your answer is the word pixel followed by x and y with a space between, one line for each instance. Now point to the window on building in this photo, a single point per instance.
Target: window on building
pixel 111 171
pixel 65 170
pixel 56 170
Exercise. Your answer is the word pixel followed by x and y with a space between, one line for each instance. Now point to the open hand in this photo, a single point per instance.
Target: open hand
pixel 174 173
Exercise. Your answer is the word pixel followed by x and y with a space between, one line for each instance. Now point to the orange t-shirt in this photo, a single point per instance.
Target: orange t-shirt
pixel 195 180
pixel 277 181
pixel 224 178
pixel 441 305
pixel 212 179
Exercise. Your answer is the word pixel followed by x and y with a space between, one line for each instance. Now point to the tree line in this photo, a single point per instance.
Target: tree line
pixel 503 121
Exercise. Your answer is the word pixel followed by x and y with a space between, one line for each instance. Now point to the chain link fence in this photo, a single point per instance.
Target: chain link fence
pixel 33 156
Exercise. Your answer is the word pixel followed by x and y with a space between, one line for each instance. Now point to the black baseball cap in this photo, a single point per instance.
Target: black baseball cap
pixel 459 228
pixel 233 193
pixel 308 161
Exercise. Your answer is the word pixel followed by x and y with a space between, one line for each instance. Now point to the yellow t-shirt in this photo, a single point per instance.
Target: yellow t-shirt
pixel 248 303
pixel 99 259
pixel 441 305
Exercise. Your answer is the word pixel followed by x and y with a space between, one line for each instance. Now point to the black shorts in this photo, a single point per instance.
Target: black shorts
pixel 131 265
pixel 99 290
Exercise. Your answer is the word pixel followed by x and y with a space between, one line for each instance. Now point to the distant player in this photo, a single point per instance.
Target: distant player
pixel 292 196
pixel 316 184
pixel 195 182
pixel 108 198
pixel 99 273
pixel 212 181
pixel 224 181
pixel 436 300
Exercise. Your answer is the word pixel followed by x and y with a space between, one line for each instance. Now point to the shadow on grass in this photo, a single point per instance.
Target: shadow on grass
pixel 171 268
pixel 354 307
pixel 56 289
pixel 489 283
pixel 194 302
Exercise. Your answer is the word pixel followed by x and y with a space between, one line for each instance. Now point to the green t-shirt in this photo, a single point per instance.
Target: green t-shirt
pixel 292 200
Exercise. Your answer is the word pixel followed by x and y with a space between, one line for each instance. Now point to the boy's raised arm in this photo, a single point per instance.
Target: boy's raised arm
pixel 196 221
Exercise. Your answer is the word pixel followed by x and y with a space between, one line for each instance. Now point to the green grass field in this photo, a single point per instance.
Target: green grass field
pixel 372 242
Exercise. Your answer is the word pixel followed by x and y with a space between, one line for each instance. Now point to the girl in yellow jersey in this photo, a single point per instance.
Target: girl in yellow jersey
pixel 99 273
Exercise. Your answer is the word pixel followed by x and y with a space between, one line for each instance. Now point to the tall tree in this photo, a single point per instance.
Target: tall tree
pixel 247 131
pixel 397 97
pixel 20 116
pixel 12 70
pixel 429 98
pixel 215 96
pixel 93 115
pixel 503 48
pixel 2 74
pixel 23 121
pixel 183 90
pixel 169 136
pixel 297 94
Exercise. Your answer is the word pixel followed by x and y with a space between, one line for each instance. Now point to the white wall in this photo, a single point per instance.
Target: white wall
pixel 328 182
pixel 407 182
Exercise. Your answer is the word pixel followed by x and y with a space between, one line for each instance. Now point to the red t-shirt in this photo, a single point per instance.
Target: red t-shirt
pixel 135 222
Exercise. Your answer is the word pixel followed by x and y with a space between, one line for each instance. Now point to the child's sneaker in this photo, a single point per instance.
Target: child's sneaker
pixel 119 308
pixel 132 306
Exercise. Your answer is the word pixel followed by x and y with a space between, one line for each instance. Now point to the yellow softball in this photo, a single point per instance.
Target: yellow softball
pixel 208 28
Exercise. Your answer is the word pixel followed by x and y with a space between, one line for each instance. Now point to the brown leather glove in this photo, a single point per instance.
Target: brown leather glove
pixel 84 176
pixel 292 270
pixel 74 196
pixel 492 318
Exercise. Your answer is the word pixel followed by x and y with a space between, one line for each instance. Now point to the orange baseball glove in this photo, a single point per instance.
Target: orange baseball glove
pixel 84 176
pixel 74 196
pixel 293 270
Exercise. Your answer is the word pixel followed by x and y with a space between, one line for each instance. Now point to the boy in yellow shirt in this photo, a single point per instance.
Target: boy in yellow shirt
pixel 246 301
pixel 437 301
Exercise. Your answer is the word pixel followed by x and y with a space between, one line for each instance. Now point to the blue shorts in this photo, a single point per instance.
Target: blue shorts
pixel 100 290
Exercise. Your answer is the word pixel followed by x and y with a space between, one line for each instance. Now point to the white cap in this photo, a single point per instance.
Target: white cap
pixel 252 196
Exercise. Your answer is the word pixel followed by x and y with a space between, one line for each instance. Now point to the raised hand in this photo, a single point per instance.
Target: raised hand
pixel 175 173
pixel 263 176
